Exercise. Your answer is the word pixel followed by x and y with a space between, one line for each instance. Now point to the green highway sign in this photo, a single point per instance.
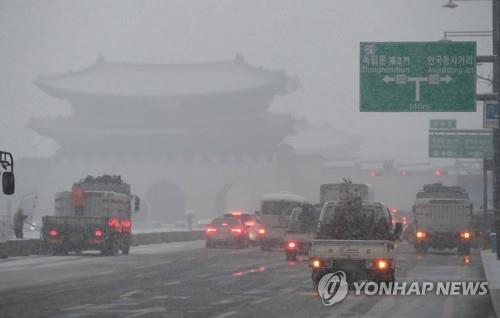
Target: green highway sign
pixel 443 123
pixel 417 77
pixel 460 145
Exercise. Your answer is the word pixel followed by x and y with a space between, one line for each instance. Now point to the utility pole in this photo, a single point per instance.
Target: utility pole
pixel 485 187
pixel 496 133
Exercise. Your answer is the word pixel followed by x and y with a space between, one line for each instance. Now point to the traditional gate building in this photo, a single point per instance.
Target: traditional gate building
pixel 194 136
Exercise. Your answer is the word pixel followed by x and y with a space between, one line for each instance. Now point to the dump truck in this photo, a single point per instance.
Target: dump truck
pixel 94 215
pixel 442 219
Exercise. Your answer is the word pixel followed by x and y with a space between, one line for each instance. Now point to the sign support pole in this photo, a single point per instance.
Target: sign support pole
pixel 496 133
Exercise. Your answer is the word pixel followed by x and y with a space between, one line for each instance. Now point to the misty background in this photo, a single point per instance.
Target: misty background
pixel 317 41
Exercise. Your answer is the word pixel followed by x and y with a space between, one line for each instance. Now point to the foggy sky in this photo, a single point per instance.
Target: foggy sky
pixel 318 41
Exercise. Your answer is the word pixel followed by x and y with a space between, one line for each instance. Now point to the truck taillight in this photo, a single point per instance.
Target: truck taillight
pixel 98 233
pixel 126 224
pixel 381 264
pixel 53 232
pixel 113 223
pixel 465 235
pixel 421 234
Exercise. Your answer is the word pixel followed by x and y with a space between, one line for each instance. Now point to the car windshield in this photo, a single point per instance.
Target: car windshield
pixel 226 221
pixel 303 221
pixel 279 207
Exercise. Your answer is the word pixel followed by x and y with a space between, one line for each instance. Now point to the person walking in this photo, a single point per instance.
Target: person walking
pixel 19 218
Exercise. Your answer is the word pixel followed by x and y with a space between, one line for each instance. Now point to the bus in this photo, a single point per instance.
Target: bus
pixel 274 214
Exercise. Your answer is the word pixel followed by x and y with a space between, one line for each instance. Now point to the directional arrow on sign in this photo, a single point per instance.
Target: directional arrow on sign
pixel 446 79
pixel 388 79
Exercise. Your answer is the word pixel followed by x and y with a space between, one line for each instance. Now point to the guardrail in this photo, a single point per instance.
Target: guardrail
pixel 37 246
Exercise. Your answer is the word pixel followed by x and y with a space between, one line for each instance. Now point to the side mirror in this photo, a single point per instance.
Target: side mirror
pixel 8 183
pixel 136 204
pixel 398 229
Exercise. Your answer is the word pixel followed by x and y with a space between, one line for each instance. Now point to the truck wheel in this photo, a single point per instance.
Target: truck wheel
pixel 315 276
pixel 126 248
pixel 291 256
pixel 55 251
pixel 111 248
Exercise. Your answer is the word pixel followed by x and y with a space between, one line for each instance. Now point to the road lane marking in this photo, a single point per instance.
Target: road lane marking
pixel 171 297
pixel 175 282
pixel 260 300
pixel 227 314
pixel 131 293
pixel 84 306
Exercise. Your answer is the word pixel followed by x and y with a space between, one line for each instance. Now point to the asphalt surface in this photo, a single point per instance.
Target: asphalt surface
pixel 186 280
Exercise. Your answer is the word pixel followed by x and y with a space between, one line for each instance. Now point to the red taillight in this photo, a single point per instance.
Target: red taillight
pixel 236 213
pixel 113 223
pixel 421 234
pixel 53 232
pixel 126 224
pixel 465 235
pixel 236 230
pixel 381 264
pixel 249 223
pixel 99 233
pixel 291 245
pixel 210 230
pixel 224 224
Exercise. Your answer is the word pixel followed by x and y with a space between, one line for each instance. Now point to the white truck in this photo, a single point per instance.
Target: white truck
pixel 357 237
pixel 442 219
pixel 95 215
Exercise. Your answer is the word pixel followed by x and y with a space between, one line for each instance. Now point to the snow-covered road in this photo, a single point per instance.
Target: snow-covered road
pixel 186 280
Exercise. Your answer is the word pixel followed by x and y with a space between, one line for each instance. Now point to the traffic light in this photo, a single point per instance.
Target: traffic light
pixel 437 172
